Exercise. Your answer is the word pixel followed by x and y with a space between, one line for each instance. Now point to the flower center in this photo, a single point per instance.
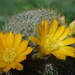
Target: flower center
pixel 51 44
pixel 9 55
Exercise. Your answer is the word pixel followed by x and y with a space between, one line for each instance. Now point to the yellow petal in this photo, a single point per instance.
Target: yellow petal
pixel 10 40
pixel 53 26
pixel 6 69
pixel 39 34
pixel 65 34
pixel 34 39
pixel 69 48
pixel 22 46
pixel 18 38
pixel 64 52
pixel 59 32
pixel 59 56
pixel 1 59
pixel 2 64
pixel 13 65
pixel 27 51
pixel 10 66
pixel 39 27
pixel 41 31
pixel 3 40
pixel 42 40
pixel 43 22
pixel 68 41
pixel 45 26
pixel 19 66
pixel 6 34
pixel 20 58
pixel 1 48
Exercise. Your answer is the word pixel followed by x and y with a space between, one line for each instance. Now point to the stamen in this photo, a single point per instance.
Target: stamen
pixel 9 55
pixel 51 44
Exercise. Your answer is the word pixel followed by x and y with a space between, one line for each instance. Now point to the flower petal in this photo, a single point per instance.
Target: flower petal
pixel 6 69
pixel 59 56
pixel 39 34
pixel 40 31
pixel 59 32
pixel 20 58
pixel 18 38
pixel 34 39
pixel 3 40
pixel 1 59
pixel 53 26
pixel 6 34
pixel 19 66
pixel 2 64
pixel 66 32
pixel 1 48
pixel 27 51
pixel 22 46
pixel 10 66
pixel 68 41
pixel 45 26
pixel 13 65
pixel 69 48
pixel 10 40
pixel 64 52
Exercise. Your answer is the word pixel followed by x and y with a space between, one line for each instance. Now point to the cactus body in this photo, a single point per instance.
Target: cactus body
pixel 24 23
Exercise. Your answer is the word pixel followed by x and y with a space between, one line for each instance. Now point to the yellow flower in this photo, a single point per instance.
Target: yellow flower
pixel 72 28
pixel 52 40
pixel 12 51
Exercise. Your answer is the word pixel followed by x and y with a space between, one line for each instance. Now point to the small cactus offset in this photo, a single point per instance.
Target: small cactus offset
pixel 24 23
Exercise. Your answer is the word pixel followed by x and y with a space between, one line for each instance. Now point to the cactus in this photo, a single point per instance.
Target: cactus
pixel 24 23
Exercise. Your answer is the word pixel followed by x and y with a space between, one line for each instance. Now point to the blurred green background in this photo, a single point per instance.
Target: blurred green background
pixel 12 7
